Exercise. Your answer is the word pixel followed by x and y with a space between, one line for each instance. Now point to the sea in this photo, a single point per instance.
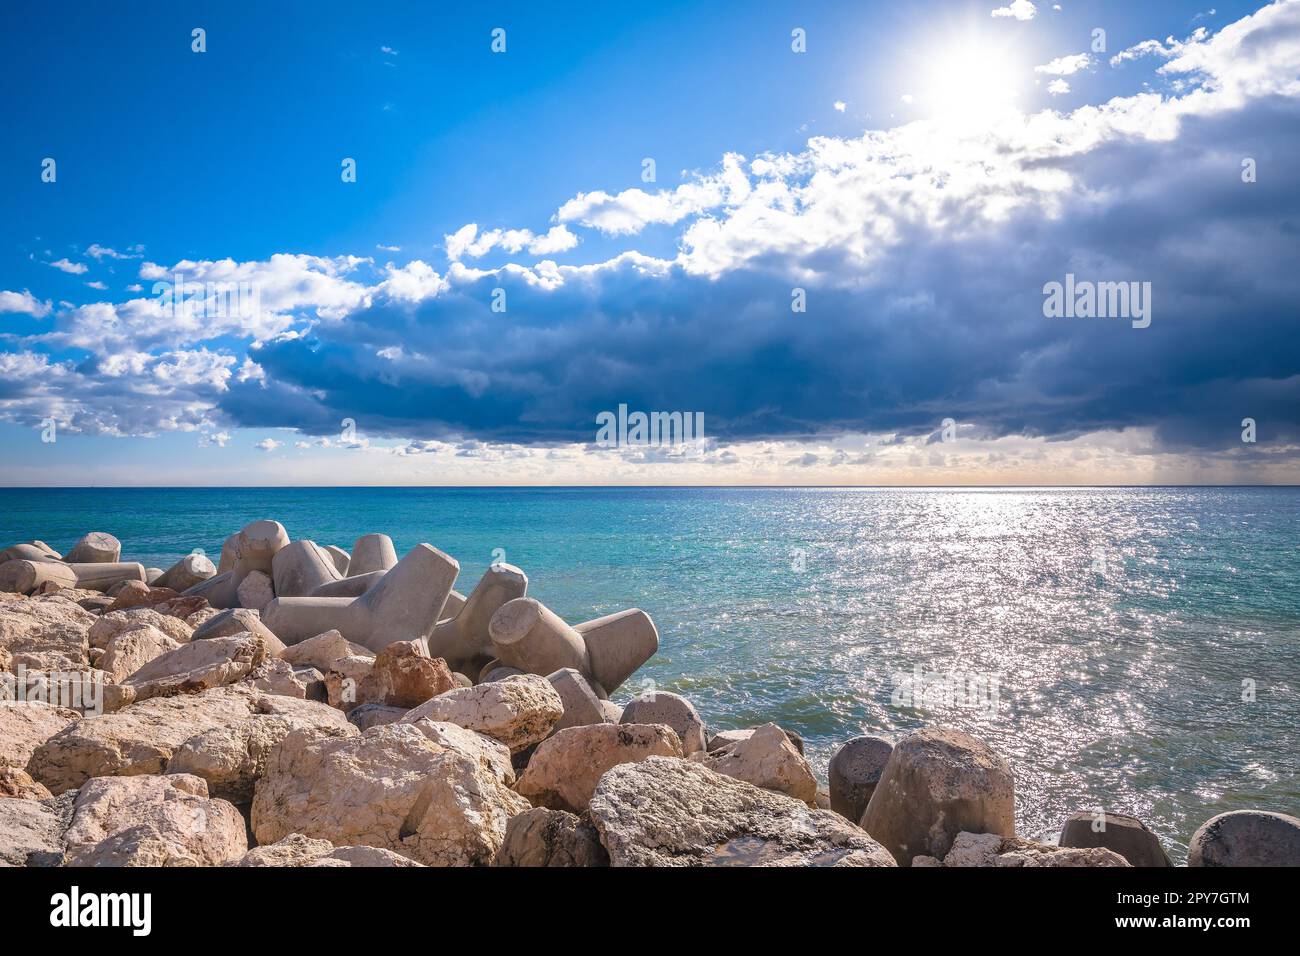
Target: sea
pixel 1133 650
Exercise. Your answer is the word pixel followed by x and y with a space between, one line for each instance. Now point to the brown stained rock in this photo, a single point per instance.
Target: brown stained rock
pixel 563 772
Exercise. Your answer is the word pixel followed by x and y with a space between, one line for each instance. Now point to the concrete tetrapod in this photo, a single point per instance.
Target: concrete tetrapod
pixel 528 635
pixel 187 572
pixel 300 567
pixel 372 552
pixel 98 547
pixel 24 577
pixel 465 636
pixel 618 644
pixel 255 548
pixel 404 606
pixel 352 587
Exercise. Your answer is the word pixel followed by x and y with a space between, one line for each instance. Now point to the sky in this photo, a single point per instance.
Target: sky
pixel 454 238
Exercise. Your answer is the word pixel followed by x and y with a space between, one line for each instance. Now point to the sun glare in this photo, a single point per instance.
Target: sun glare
pixel 972 82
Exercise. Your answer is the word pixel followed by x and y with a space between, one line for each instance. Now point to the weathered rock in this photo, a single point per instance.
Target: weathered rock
pixel 366 716
pixel 404 675
pixel 138 739
pixel 542 837
pixel 196 666
pixel 1246 838
pixel 937 783
pixel 1126 835
pixel 767 759
pixel 563 772
pixel 391 787
pixel 725 738
pixel 232 758
pixel 115 622
pixel 662 707
pixel 344 678
pixel 16 782
pixel 31 831
pixel 134 594
pixel 255 592
pixel 25 725
pixel 98 547
pixel 44 634
pixel 991 849
pixel 518 711
pixel 298 850
pixel 153 821
pixel 666 811
pixel 490 674
pixel 492 755
pixel 275 676
pixel 323 650
pixel 130 650
pixel 854 772
pixel 240 620
pixel 582 705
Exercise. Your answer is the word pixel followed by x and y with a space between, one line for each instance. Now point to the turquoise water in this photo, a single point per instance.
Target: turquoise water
pixel 1117 626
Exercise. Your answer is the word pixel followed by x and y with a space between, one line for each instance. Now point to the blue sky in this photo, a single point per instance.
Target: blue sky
pixel 921 171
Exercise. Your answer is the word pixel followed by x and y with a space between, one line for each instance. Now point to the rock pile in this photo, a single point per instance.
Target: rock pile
pixel 304 705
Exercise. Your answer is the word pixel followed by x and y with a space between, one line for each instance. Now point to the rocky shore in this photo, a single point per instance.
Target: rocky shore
pixel 296 704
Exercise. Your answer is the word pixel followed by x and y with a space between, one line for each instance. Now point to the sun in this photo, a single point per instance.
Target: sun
pixel 972 82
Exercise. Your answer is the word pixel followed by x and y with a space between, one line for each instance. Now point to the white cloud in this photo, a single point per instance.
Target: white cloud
pixel 1058 86
pixel 98 252
pixel 268 444
pixel 840 106
pixel 1065 65
pixel 73 268
pixel 1018 9
pixel 467 241
pixel 97 285
pixel 24 302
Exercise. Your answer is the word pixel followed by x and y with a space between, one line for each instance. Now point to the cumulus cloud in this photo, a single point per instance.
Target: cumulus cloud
pixel 1058 86
pixel 468 242
pixel 1065 65
pixel 24 302
pixel 72 268
pixel 1017 9
pixel 268 444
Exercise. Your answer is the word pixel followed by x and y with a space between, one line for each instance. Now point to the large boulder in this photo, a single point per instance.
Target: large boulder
pixel 153 821
pixel 939 782
pixel 766 758
pixel 404 675
pixel 141 738
pixel 519 711
pixel 854 772
pixel 541 837
pixel 25 725
pixel 1246 838
pixel 323 650
pixel 196 666
pixel 299 850
pixel 31 831
pixel 666 811
pixel 112 624
pixel 1127 836
pixel 564 769
pixel 16 782
pixel 493 756
pixel 239 620
pixel 44 634
pixel 233 757
pixel 391 787
pixel 130 650
pixel 662 707
pixel 991 849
